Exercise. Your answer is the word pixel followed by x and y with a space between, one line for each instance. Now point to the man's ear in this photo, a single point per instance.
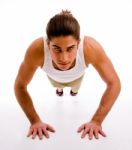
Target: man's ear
pixel 48 41
pixel 78 42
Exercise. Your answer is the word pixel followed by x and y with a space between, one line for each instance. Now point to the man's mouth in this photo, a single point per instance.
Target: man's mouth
pixel 64 64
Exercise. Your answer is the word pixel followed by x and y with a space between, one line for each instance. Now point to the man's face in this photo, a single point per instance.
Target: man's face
pixel 63 51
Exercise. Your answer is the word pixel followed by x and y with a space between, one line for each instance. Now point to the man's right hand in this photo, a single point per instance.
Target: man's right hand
pixel 41 129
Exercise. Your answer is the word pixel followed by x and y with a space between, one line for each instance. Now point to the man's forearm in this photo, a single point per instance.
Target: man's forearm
pixel 26 104
pixel 108 99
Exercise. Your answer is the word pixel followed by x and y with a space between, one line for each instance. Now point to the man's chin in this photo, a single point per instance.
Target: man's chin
pixel 64 68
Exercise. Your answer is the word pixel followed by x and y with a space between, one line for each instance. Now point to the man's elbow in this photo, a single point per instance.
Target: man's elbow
pixel 118 85
pixel 18 86
pixel 115 84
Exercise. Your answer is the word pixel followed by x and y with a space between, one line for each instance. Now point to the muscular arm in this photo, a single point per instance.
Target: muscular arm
pixel 95 55
pixel 107 72
pixel 32 60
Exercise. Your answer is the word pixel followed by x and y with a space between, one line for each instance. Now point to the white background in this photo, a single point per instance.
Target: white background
pixel 110 23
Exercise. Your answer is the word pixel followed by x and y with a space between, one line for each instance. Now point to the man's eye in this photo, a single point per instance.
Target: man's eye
pixel 57 49
pixel 70 49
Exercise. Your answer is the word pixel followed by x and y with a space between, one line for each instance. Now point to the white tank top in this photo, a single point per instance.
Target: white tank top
pixel 68 75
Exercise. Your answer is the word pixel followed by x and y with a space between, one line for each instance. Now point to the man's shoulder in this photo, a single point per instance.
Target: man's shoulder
pixel 91 42
pixel 37 44
pixel 35 51
pixel 92 49
pixel 89 49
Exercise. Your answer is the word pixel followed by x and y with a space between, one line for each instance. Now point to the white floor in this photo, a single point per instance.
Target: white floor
pixel 65 114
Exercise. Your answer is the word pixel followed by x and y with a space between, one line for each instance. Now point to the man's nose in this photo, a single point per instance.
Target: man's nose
pixel 64 57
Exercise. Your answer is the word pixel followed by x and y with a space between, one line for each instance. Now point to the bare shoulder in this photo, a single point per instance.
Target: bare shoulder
pixel 35 52
pixel 93 50
pixel 95 55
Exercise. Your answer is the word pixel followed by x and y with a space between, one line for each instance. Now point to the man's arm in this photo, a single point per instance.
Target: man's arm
pixel 105 68
pixel 107 72
pixel 32 60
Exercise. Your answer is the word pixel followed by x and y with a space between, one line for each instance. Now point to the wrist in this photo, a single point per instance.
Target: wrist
pixel 36 120
pixel 96 121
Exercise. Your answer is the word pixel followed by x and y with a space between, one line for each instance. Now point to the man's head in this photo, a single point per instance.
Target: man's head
pixel 63 36
pixel 63 24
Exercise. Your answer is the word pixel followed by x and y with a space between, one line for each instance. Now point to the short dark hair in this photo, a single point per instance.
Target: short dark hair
pixel 63 24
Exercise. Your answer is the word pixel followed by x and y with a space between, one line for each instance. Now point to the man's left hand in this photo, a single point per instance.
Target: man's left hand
pixel 92 129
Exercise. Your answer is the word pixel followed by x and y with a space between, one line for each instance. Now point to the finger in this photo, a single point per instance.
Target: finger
pixel 84 133
pixel 34 134
pixel 50 128
pixel 80 128
pixel 40 134
pixel 91 134
pixel 102 133
pixel 96 134
pixel 30 132
pixel 45 133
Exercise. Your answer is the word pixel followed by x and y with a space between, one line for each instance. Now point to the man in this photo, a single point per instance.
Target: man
pixel 64 56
